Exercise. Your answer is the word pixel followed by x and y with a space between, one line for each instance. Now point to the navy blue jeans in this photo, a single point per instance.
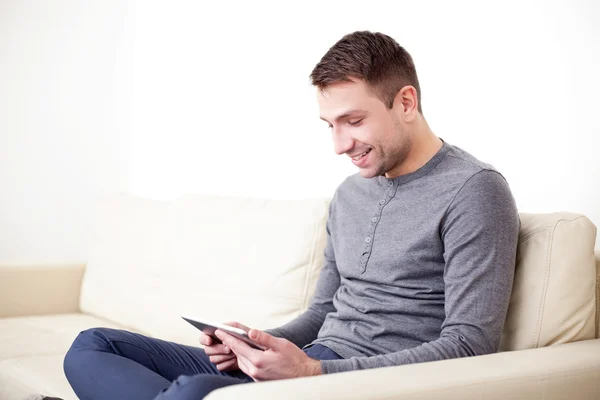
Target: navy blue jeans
pixel 111 364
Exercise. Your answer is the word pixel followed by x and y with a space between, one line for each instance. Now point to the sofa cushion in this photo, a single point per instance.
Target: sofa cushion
pixel 553 298
pixel 24 376
pixel 49 334
pixel 219 258
pixel 32 350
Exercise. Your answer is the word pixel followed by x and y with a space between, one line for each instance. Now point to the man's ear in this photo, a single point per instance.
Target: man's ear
pixel 407 103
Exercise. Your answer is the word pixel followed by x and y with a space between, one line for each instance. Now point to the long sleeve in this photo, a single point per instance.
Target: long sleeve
pixel 479 233
pixel 304 329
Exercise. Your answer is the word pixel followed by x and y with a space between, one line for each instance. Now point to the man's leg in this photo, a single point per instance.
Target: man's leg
pixel 198 386
pixel 107 363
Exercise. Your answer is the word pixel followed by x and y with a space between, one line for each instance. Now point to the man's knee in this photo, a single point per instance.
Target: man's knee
pixel 94 339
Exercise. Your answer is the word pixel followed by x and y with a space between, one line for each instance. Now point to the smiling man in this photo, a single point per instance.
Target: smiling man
pixel 419 262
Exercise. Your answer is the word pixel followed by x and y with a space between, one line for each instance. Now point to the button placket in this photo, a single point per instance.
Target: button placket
pixel 368 240
pixel 389 193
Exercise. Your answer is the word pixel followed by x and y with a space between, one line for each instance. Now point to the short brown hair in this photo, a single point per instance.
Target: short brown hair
pixel 373 57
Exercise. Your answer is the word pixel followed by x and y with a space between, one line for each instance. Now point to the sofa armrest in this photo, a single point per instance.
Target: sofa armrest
pixel 39 290
pixel 569 370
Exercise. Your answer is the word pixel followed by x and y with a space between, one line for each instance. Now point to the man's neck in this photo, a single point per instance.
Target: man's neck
pixel 425 144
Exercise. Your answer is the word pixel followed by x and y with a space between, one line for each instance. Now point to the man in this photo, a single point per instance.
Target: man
pixel 419 262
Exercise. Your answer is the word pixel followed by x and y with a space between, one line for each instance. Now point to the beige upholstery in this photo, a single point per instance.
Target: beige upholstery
pixel 24 289
pixel 257 261
pixel 553 299
pixel 32 350
pixel 568 371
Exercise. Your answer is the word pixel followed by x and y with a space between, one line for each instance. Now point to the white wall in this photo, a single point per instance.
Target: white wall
pixel 222 102
pixel 65 113
pixel 166 98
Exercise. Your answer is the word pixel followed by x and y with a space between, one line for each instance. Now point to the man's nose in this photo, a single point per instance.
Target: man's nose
pixel 342 143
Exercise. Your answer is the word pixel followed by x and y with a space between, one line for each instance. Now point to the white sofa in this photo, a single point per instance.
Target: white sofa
pixel 257 261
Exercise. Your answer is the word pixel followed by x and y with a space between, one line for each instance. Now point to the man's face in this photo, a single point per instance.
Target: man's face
pixel 361 123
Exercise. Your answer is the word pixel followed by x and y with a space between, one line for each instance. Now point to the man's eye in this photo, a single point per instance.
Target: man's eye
pixel 355 123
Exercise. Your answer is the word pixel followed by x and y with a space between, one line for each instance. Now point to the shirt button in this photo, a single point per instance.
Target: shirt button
pixel 391 183
pixel 381 202
pixel 368 239
pixel 374 219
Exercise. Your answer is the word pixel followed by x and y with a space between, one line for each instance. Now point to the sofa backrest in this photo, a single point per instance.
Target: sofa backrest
pixel 554 293
pixel 218 258
pixel 258 261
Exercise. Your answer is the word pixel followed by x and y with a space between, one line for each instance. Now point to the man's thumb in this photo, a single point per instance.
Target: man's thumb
pixel 263 338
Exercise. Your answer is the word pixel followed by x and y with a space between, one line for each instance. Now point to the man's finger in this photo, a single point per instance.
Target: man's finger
pixel 217 349
pixel 237 346
pixel 245 366
pixel 221 358
pixel 205 340
pixel 260 337
pixel 237 325
pixel 226 364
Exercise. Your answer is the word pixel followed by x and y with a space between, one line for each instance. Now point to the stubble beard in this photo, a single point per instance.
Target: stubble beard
pixel 400 149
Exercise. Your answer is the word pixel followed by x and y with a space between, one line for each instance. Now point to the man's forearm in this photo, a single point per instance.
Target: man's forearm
pixel 441 349
pixel 302 330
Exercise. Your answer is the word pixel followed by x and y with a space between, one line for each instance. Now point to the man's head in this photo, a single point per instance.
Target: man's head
pixel 370 96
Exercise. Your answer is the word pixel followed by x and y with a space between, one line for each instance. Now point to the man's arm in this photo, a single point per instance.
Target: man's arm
pixel 304 329
pixel 480 234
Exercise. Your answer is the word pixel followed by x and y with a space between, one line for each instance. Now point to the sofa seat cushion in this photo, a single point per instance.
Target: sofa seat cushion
pixel 43 374
pixel 32 350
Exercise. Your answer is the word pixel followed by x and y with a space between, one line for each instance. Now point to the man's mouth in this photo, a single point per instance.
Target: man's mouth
pixel 361 155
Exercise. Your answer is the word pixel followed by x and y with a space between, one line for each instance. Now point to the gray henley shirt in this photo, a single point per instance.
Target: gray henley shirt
pixel 417 268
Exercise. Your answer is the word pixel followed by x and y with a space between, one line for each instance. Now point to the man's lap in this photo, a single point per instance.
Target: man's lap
pixel 169 359
pixel 188 368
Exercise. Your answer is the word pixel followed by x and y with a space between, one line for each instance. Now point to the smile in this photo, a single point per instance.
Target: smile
pixel 358 157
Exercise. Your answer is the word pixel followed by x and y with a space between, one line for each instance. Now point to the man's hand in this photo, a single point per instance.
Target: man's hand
pixel 282 359
pixel 219 354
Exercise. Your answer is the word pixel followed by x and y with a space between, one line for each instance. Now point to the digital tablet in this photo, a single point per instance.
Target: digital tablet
pixel 209 329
